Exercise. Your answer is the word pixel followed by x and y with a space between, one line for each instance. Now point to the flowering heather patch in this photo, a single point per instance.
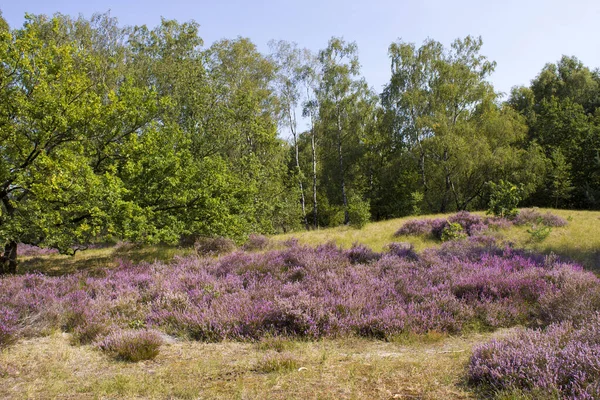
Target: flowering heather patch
pixel 207 246
pixel 307 292
pixel 8 326
pixel 561 362
pixel 132 345
pixel 471 224
pixel 532 216
pixel 415 227
pixel 256 242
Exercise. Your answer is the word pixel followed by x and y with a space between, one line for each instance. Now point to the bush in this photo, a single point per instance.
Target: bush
pixel 358 212
pixel 361 254
pixel 206 246
pixel 561 362
pixel 415 227
pixel 8 326
pixel 453 231
pixel 404 250
pixel 256 242
pixel 504 199
pixel 132 345
pixel 533 216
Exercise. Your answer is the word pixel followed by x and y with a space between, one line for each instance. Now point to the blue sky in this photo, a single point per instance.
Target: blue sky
pixel 521 36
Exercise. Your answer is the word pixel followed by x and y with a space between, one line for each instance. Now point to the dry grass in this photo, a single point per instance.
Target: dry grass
pixel 353 368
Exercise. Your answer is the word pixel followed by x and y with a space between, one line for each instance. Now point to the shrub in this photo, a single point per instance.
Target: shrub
pixel 453 231
pixel 504 199
pixel 8 326
pixel 310 293
pixel 561 362
pixel 404 250
pixel 256 242
pixel 533 216
pixel 358 212
pixel 207 246
pixel 415 227
pixel 132 345
pixel 361 254
pixel 471 223
pixel 28 250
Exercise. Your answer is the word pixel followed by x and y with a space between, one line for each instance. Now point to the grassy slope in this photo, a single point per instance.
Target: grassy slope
pixel 579 240
pixel 352 368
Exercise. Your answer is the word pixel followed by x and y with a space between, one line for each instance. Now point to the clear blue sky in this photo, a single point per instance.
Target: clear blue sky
pixel 521 36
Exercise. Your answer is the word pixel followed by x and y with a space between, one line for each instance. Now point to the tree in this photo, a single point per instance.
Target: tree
pixel 446 114
pixel 290 61
pixel 52 107
pixel 341 97
pixel 561 111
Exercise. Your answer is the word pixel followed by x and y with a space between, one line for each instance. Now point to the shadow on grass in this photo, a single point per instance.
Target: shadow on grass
pixel 589 258
pixel 94 261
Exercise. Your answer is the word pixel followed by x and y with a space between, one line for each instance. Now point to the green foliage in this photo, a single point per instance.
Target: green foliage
pixel 416 201
pixel 539 232
pixel 445 114
pixel 358 212
pixel 504 199
pixel 453 231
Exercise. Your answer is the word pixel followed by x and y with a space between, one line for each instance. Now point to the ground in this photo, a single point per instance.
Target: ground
pixel 416 367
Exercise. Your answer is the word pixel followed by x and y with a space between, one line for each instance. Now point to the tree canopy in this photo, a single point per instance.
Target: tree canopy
pixel 145 134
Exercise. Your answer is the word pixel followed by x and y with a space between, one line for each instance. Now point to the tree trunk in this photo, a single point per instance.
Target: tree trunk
pixel 314 171
pixel 8 261
pixel 341 160
pixel 292 122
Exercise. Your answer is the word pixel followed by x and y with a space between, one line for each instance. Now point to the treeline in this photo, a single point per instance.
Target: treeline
pixel 145 135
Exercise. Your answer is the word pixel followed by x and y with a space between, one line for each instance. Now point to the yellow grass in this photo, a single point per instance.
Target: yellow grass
pixel 49 367
pixel 579 240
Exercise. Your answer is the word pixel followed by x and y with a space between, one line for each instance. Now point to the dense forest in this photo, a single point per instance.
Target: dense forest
pixel 143 134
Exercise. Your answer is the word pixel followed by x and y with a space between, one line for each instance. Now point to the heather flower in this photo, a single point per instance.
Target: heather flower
pixel 562 361
pixel 530 216
pixel 8 326
pixel 206 246
pixel 256 242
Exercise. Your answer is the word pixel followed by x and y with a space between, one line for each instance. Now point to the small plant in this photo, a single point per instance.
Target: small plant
pixel 504 199
pixel 416 199
pixel 8 326
pixel 453 231
pixel 276 343
pixel 256 242
pixel 132 345
pixel 280 362
pixel 207 246
pixel 539 233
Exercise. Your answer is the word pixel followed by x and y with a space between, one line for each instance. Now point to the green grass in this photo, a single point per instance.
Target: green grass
pixel 579 240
